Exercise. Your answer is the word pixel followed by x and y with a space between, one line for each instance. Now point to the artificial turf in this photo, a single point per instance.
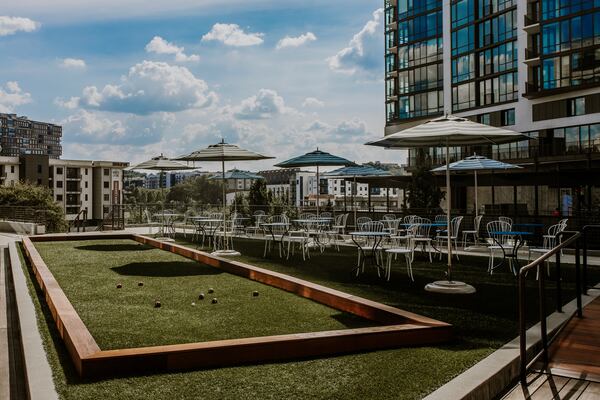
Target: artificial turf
pixel 482 323
pixel 89 272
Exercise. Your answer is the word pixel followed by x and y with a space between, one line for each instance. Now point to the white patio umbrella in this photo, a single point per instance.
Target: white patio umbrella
pixel 476 163
pixel 223 152
pixel 161 164
pixel 448 131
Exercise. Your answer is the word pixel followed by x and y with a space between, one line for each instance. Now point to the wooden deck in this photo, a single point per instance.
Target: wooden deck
pixel 574 369
pixel 545 387
pixel 576 352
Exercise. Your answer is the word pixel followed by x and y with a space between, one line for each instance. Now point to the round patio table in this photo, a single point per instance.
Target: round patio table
pixel 377 238
pixel 285 226
pixel 205 227
pixel 518 242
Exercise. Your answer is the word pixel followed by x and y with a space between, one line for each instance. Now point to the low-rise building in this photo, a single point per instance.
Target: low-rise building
pixel 76 185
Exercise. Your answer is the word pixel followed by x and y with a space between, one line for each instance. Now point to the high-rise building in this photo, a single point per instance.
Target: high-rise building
pixel 21 136
pixel 530 65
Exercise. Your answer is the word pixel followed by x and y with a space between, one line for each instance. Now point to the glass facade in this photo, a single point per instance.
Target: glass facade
pixel 568 45
pixel 414 69
pixel 484 53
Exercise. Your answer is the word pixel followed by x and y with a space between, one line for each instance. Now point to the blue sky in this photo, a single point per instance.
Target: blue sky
pixel 130 79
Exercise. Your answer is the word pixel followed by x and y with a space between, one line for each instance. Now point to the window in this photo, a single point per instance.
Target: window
pixel 463 40
pixel 39 169
pixel 59 197
pixel 463 12
pixel 507 117
pixel 463 96
pixel 463 68
pixel 576 106
pixel 59 184
pixel 484 118
pixel 106 172
pixel 12 169
pixel 106 185
pixel 106 197
pixel 59 171
pixel 86 197
pixel 86 171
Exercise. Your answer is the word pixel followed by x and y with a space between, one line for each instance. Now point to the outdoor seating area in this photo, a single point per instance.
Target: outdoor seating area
pixel 378 240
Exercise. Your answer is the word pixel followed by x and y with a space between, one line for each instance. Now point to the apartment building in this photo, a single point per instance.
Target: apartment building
pixel 21 136
pixel 529 65
pixel 76 185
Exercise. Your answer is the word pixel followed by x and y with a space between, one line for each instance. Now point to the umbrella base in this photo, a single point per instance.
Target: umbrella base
pixel 226 253
pixel 450 287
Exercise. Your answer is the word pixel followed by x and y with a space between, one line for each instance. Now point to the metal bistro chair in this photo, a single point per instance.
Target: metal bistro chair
pixel 362 220
pixel 442 235
pixel 498 242
pixel 550 241
pixel 275 233
pixel 422 236
pixel 259 217
pixel 369 245
pixel 474 232
pixel 407 250
pixel 389 217
pixel 298 238
pixel 508 220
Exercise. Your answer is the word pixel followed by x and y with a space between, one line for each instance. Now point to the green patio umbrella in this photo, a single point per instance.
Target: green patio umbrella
pixel 317 159
pixel 222 152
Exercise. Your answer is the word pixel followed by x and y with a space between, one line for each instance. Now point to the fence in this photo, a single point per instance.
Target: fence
pixel 23 214
pixel 574 238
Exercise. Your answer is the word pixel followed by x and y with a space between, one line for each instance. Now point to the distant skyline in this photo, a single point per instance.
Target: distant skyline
pixel 130 80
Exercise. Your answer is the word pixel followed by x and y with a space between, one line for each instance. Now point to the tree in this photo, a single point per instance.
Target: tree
pixel 423 192
pixel 38 198
pixel 258 198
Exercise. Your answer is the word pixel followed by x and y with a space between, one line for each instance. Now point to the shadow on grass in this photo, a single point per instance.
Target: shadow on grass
pixel 166 269
pixel 115 247
pixel 353 321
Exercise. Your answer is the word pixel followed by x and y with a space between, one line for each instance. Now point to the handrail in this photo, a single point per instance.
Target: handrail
pixel 78 221
pixel 585 230
pixel 574 237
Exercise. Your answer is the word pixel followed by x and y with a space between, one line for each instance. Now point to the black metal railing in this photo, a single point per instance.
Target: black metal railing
pixel 574 238
pixel 80 220
pixel 23 214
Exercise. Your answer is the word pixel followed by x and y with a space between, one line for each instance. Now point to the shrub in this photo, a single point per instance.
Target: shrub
pixel 38 198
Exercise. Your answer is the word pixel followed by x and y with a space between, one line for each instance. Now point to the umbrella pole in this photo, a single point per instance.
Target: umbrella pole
pixel 476 202
pixel 318 190
pixel 353 204
pixel 448 211
pixel 224 205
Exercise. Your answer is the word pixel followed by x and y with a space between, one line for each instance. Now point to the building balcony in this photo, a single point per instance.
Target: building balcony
pixel 73 177
pixel 532 57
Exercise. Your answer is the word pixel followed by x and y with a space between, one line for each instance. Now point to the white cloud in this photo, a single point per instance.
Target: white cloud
pixel 73 63
pixel 69 104
pixel 364 50
pixel 13 96
pixel 265 104
pixel 149 87
pixel 317 126
pixel 12 25
pixel 289 41
pixel 313 102
pixel 233 35
pixel 159 45
pixel 353 127
pixel 98 127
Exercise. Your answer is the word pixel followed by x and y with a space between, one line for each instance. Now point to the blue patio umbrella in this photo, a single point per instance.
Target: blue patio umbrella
pixel 317 159
pixel 353 171
pixel 475 163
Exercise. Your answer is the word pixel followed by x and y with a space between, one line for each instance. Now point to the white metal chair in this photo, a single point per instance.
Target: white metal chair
pixel 298 238
pixel 508 220
pixel 474 232
pixel 498 241
pixel 422 236
pixel 550 241
pixel 371 226
pixel 275 233
pixel 362 220
pixel 407 251
pixel 442 235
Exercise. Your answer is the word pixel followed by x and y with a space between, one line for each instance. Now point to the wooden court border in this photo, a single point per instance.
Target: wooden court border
pixel 399 328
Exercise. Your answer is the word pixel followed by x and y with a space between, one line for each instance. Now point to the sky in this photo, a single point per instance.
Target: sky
pixel 129 80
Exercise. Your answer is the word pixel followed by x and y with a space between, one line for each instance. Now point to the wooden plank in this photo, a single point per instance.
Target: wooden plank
pixel 400 328
pixel 576 352
pixel 519 392
pixel 592 392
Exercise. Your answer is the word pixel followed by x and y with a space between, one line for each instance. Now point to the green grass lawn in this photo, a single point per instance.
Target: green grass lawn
pixel 482 323
pixel 89 271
